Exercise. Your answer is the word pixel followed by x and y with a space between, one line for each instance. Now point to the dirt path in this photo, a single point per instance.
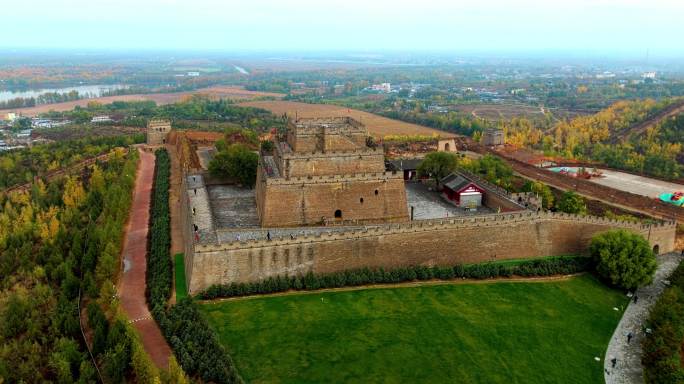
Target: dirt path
pixel 628 369
pixel 542 279
pixel 134 253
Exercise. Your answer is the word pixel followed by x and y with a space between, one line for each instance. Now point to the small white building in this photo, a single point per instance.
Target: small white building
pixel 100 119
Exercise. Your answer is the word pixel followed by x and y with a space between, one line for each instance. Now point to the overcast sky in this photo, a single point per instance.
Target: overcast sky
pixel 622 26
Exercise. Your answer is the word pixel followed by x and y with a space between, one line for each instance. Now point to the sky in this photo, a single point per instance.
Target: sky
pixel 592 26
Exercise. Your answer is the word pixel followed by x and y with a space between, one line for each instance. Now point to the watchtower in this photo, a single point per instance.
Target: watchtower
pixel 157 130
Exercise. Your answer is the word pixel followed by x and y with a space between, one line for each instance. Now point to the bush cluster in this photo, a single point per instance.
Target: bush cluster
pixel 663 346
pixel 365 276
pixel 159 268
pixel 194 343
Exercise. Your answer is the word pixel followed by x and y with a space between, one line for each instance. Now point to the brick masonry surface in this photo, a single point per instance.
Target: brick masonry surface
pixel 430 242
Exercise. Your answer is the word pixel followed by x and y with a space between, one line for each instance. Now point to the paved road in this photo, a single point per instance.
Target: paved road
pixel 636 184
pixel 134 252
pixel 628 369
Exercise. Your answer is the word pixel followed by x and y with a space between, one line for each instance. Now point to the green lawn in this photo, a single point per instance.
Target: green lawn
pixel 181 286
pixel 502 332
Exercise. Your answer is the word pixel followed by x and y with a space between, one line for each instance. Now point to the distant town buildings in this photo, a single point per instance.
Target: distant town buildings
pixel 382 87
pixel 648 75
pixel 193 74
pixel 101 119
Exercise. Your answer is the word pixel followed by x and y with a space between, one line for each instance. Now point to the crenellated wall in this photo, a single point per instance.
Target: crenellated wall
pixel 365 198
pixel 433 242
pixel 331 163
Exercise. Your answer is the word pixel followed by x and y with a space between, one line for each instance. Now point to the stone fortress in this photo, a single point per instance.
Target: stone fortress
pixel 325 173
pixel 323 203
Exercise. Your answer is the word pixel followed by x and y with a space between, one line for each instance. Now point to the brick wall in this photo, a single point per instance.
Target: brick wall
pixel 435 242
pixel 334 164
pixel 310 201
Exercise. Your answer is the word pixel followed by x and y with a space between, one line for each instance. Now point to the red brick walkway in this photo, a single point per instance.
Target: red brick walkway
pixel 132 285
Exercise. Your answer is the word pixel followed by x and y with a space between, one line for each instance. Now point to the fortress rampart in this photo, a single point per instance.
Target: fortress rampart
pixel 431 242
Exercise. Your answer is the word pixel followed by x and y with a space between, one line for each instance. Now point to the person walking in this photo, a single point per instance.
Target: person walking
pixel 630 335
pixel 613 361
pixel 636 297
pixel 268 235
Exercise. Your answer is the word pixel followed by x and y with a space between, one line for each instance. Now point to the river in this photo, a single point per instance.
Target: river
pixel 241 70
pixel 83 90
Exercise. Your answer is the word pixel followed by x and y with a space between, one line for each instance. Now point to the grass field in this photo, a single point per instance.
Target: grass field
pixel 503 332
pixel 378 126
pixel 181 285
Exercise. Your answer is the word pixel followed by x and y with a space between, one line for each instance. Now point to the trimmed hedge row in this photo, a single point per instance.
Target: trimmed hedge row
pixel 540 267
pixel 662 358
pixel 159 267
pixel 194 343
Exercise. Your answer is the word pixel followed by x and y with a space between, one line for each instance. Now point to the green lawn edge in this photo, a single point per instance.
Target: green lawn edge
pixel 498 336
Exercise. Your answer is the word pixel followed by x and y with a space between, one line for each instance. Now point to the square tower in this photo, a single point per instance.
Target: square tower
pixel 323 171
pixel 157 130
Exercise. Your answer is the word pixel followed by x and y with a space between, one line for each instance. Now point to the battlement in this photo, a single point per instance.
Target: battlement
pixel 288 154
pixel 335 178
pixel 314 124
pixel 159 125
pixel 490 220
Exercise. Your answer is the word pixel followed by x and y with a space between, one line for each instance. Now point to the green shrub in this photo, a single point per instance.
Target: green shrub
pixel 192 340
pixel 624 258
pixel 662 347
pixel 365 276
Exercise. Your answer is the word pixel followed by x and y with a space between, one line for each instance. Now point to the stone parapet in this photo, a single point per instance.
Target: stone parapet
pixel 434 224
pixel 334 178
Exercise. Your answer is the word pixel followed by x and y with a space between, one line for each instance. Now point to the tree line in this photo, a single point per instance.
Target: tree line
pixel 193 341
pixel 358 277
pixel 662 358
pixel 22 165
pixel 60 243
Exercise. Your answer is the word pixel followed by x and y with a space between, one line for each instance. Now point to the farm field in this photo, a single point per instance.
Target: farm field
pixel 378 126
pixel 509 111
pixel 226 92
pixel 501 332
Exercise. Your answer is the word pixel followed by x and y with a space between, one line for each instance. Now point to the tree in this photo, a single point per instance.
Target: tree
pixel 571 202
pixel 438 165
pixel 267 146
pixel 624 258
pixel 236 162
pixel 542 190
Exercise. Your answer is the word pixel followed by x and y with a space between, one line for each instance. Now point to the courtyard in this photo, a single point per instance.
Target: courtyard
pixel 428 204
pixel 486 332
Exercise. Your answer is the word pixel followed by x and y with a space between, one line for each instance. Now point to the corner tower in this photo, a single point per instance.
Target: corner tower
pixel 323 172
